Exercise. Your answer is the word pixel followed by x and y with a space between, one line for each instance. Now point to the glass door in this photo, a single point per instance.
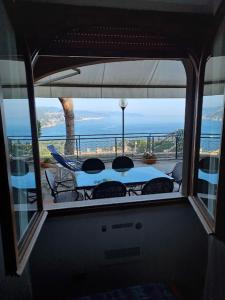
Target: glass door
pixel 211 135
pixel 21 201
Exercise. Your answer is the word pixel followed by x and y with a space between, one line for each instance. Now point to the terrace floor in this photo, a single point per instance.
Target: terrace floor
pixel 162 165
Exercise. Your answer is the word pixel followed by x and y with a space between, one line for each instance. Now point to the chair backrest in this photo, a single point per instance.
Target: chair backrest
pixel 109 189
pixel 60 159
pixel 206 187
pixel 209 164
pixel 157 186
pixel 92 164
pixel 19 167
pixel 52 149
pixel 51 182
pixel 122 162
pixel 177 172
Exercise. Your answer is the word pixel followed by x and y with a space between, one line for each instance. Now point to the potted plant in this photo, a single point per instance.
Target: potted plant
pixel 149 158
pixel 46 163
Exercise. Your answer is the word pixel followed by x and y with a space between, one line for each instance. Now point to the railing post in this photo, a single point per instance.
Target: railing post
pixel 10 145
pixel 153 144
pixel 116 146
pixel 148 148
pixel 76 143
pixel 176 147
pixel 79 145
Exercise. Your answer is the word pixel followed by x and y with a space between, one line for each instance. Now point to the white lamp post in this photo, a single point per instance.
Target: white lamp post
pixel 123 104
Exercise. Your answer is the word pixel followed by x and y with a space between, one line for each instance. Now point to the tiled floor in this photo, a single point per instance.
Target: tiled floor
pixel 164 165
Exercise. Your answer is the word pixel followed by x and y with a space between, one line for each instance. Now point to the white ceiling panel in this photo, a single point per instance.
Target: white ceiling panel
pixel 128 79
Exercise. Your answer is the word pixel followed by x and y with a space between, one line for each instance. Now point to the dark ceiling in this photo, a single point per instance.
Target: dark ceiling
pixel 62 36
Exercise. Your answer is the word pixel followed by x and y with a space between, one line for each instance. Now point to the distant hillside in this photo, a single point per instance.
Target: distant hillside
pixel 52 116
pixel 213 114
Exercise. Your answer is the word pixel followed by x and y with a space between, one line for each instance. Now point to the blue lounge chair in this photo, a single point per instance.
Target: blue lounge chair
pixel 66 163
pixel 52 149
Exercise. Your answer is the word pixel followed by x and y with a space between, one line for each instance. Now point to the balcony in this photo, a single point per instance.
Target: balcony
pixel 167 148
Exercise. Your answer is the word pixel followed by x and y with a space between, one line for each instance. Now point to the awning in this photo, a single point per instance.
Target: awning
pixel 215 76
pixel 127 79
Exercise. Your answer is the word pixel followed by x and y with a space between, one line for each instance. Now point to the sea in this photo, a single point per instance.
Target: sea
pixel 133 124
pixel 113 125
pixel 138 125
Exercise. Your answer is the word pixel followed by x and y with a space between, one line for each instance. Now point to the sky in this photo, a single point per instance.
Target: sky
pixel 175 107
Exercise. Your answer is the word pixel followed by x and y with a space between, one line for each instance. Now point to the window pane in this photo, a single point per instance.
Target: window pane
pixel 211 125
pixel 17 128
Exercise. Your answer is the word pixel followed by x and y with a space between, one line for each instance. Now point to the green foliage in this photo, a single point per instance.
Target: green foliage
pixel 44 152
pixel 162 145
pixel 137 146
pixel 16 148
pixel 180 140
pixel 47 160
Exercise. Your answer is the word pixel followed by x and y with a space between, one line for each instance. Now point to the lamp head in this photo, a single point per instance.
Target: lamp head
pixel 123 103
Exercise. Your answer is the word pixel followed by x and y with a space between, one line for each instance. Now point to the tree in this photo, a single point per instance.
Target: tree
pixel 38 128
pixel 67 104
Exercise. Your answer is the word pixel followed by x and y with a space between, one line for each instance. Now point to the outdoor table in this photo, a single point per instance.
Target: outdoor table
pixel 209 198
pixel 210 177
pixel 132 176
pixel 24 182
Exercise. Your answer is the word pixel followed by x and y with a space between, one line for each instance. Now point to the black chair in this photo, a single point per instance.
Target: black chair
pixel 122 162
pixel 176 173
pixel 206 190
pixel 93 164
pixel 209 164
pixel 62 195
pixel 206 187
pixel 108 189
pixel 155 186
pixel 19 167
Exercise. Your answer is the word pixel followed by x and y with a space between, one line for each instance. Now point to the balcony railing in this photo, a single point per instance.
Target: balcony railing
pixel 107 146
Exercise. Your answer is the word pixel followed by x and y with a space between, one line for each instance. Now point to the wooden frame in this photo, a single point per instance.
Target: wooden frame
pixel 212 225
pixel 188 127
pixel 127 202
pixel 16 254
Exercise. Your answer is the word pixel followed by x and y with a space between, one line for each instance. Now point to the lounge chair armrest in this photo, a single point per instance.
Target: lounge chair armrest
pixel 87 196
pixel 65 191
pixel 62 182
pixel 130 191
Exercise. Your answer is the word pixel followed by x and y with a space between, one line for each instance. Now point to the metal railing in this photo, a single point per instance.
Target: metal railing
pixel 107 146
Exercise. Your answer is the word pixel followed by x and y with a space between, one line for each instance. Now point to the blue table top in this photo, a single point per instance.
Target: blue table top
pixel 25 182
pixel 210 177
pixel 131 176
